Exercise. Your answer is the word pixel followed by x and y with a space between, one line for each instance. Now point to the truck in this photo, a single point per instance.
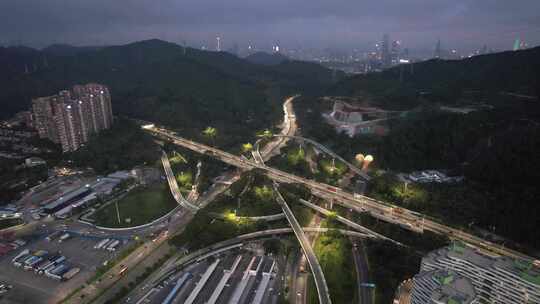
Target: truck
pixel 42 264
pixel 17 243
pixel 398 210
pixel 20 242
pixel 22 260
pixel 57 272
pixel 59 260
pixel 367 285
pixel 71 273
pixel 20 255
pixel 54 276
pixel 30 265
pixel 112 246
pixel 60 269
pixel 101 243
pixel 64 237
pixel 30 259
pixel 53 236
pixel 122 270
pixel 44 267
pixel 51 263
pixel 48 269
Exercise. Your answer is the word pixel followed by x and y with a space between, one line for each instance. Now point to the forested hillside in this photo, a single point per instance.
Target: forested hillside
pixel 187 89
pixel 495 148
pixel 448 81
pixel 266 59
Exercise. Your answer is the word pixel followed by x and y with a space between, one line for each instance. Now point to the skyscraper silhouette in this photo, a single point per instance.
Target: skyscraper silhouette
pixel 386 58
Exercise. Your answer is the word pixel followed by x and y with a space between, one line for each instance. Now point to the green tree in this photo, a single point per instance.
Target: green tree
pixel 264 193
pixel 210 133
pixel 266 134
pixel 247 148
pixel 185 179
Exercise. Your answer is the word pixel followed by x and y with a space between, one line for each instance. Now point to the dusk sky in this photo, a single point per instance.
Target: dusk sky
pixel 291 23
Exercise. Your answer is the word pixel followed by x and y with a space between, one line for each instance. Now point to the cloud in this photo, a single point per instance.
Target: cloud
pixel 317 22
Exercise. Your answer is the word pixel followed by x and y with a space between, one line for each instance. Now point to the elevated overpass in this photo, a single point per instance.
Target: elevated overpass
pixel 359 203
pixel 318 275
pixel 326 150
pixel 173 185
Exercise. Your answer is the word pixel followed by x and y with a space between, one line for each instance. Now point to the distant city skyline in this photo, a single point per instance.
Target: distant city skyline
pixel 316 24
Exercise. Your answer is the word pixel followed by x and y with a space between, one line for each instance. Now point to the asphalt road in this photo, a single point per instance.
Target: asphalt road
pixel 362 273
pixel 318 275
pixel 137 270
pixel 173 185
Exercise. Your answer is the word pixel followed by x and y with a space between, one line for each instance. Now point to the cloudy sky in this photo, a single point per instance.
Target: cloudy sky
pixel 291 23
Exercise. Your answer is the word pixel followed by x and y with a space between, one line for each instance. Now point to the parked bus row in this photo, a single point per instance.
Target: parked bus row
pixel 108 244
pixel 53 266
pixel 60 236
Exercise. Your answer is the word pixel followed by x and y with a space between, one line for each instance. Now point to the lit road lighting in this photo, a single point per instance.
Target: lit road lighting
pixel 367 160
pixel 359 158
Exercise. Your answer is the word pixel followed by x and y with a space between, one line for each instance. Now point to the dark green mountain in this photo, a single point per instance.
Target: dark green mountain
pixel 495 148
pixel 68 50
pixel 447 81
pixel 159 81
pixel 266 59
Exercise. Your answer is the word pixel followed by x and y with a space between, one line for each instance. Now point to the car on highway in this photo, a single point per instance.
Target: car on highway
pixel 122 270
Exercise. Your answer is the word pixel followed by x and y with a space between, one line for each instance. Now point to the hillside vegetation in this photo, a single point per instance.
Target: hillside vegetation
pixel 122 147
pixel 495 148
pixel 449 81
pixel 186 89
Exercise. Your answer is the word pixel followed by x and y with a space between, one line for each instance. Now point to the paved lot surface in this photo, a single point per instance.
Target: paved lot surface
pixel 29 287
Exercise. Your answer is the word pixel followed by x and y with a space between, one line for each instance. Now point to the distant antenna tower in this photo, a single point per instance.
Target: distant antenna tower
pixel 185 46
pixel 218 48
pixel 438 49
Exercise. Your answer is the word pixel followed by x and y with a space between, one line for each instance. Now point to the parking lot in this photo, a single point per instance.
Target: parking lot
pixel 29 287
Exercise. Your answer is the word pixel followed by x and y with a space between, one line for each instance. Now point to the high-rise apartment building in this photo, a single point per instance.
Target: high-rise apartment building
pixel 386 57
pixel 43 115
pixel 71 117
pixel 395 53
pixel 496 279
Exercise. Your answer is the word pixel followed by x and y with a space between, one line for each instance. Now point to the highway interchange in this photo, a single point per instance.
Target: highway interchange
pixel 318 275
pixel 359 203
